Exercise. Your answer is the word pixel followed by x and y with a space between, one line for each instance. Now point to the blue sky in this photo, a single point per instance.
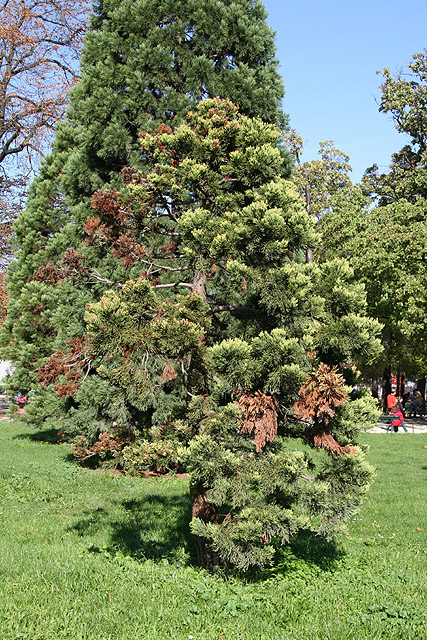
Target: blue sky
pixel 329 52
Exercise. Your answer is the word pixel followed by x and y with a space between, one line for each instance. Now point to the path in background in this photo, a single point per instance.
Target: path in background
pixel 417 425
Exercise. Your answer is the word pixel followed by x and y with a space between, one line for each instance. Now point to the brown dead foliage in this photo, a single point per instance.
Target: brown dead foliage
pixel 164 128
pixel 108 203
pixel 319 398
pixel 128 249
pixel 168 372
pixel 71 365
pixel 72 267
pixel 321 395
pixel 116 227
pixel 327 441
pixel 108 445
pixel 260 416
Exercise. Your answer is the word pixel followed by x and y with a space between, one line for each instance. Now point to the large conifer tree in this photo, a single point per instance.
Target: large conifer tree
pixel 226 374
pixel 229 348
pixel 144 62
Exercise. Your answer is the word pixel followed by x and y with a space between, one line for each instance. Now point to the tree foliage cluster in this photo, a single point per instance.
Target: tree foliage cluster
pixel 320 181
pixel 124 89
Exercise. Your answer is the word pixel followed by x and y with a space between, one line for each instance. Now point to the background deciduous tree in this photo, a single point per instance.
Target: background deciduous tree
pixel 40 42
pixel 319 181
pixel 404 98
pixel 380 226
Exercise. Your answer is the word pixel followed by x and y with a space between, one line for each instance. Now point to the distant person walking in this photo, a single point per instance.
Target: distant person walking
pixel 419 403
pixel 412 405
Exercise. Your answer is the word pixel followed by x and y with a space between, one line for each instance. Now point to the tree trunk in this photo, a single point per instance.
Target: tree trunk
pixel 208 512
pixel 402 385
pixel 374 389
pixel 421 386
pixel 386 386
pixel 199 284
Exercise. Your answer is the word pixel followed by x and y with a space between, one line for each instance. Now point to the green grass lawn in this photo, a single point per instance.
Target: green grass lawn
pixel 86 555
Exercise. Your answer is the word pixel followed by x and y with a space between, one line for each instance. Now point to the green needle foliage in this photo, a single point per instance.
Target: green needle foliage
pixel 226 349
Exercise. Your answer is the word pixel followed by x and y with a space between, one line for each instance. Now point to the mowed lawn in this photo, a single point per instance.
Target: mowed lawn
pixel 86 555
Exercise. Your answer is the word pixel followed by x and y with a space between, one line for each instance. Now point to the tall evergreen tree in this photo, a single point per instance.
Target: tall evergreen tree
pixel 230 347
pixel 144 62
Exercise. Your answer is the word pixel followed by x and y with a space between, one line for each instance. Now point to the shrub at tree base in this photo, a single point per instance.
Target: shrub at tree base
pixel 230 353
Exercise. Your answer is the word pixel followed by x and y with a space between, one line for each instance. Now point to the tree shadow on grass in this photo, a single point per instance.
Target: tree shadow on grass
pixel 316 550
pixel 157 527
pixel 153 527
pixel 51 436
pixel 306 554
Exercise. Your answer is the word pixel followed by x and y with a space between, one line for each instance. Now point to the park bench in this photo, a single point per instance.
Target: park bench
pixel 386 419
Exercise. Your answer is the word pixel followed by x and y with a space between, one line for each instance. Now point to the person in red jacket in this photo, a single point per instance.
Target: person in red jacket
pixel 391 400
pixel 21 402
pixel 397 415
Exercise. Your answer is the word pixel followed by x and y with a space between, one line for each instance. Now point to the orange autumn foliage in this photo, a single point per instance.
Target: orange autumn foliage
pixel 3 300
pixel 40 43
